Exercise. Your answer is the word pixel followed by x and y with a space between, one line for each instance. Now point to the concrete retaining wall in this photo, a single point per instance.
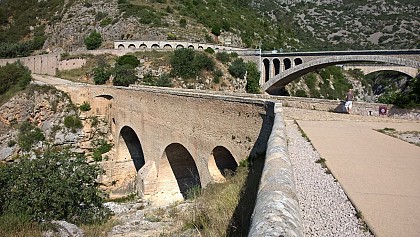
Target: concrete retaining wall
pixel 277 211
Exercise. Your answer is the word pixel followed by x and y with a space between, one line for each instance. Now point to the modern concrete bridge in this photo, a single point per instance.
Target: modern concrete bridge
pixel 279 69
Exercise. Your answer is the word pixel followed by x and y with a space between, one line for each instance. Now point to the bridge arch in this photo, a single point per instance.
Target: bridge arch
pixel 167 46
pixel 221 164
pixel 276 65
pixel 191 46
pixel 177 172
pixel 287 63
pixel 155 46
pixel 274 85
pixel 129 147
pixel 297 61
pixel 266 63
pixel 121 46
pixel 131 46
pixel 179 46
pixel 143 46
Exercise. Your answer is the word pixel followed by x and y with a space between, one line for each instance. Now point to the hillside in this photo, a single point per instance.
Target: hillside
pixel 60 25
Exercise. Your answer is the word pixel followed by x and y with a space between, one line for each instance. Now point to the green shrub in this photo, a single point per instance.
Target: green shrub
pixel 29 135
pixel 253 78
pixel 238 68
pixel 72 122
pixel 124 75
pixel 183 23
pixel 128 59
pixel 105 22
pixel 14 77
pixel 102 147
pixel 301 93
pixel 93 40
pixel 55 186
pixel 203 62
pixel 85 106
pixel 181 62
pixel 223 57
pixel 101 75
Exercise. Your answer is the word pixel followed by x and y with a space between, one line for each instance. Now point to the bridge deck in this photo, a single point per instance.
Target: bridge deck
pixel 380 174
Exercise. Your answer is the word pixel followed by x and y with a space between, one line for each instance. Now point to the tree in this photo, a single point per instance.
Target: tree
pixel 238 68
pixel 101 75
pixel 93 40
pixel 124 75
pixel 54 186
pixel 128 59
pixel 181 62
pixel 252 78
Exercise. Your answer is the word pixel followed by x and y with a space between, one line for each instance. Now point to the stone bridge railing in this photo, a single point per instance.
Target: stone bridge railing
pixel 277 211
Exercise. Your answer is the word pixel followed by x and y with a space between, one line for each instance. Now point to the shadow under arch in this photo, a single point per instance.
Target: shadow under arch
pixel 221 164
pixel 129 145
pixel 177 170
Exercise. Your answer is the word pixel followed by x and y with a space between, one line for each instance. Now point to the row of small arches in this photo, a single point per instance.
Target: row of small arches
pixel 277 66
pixel 157 46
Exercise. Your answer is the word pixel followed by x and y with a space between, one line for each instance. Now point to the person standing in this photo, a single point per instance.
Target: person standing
pixel 349 100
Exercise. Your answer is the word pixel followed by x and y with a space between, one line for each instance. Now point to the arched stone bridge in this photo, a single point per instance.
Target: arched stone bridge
pixel 279 69
pixel 168 141
pixel 370 68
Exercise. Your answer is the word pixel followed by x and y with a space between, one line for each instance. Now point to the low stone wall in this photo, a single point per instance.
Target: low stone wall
pixel 360 108
pixel 277 211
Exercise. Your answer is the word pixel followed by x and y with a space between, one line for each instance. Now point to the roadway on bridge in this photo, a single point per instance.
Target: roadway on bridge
pixel 379 173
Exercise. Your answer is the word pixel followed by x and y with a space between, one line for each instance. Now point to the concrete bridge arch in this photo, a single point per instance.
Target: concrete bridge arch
pixel 368 69
pixel 221 164
pixel 274 85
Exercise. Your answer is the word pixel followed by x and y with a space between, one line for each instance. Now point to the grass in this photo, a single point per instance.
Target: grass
pixel 99 230
pixel 19 226
pixel 211 212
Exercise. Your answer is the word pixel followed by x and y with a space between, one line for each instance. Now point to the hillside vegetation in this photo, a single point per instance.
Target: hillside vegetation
pixel 60 25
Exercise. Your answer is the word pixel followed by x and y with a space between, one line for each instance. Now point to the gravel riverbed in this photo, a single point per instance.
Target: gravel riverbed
pixel 325 208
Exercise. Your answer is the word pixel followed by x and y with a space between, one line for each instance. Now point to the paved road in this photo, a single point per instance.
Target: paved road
pixel 379 173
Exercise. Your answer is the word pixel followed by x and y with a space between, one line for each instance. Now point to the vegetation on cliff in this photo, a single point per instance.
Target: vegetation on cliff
pixel 13 78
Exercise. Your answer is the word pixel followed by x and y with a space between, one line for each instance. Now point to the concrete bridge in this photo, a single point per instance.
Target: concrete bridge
pixel 279 69
pixel 370 68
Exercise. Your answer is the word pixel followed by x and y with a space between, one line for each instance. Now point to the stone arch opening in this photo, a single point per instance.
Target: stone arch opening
pixel 221 164
pixel 276 64
pixel 298 61
pixel 143 46
pixel 190 46
pixel 200 47
pixel 177 172
pixel 129 147
pixel 131 46
pixel 167 46
pixel 287 63
pixel 121 46
pixel 179 46
pixel 155 46
pixel 266 63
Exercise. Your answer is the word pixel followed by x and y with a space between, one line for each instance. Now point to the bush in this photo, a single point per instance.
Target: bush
pixel 29 135
pixel 128 59
pixel 14 76
pixel 101 75
pixel 202 61
pixel 102 147
pixel 301 93
pixel 252 79
pixel 85 106
pixel 223 57
pixel 93 40
pixel 124 75
pixel 183 23
pixel 55 186
pixel 73 122
pixel 238 68
pixel 181 62
pixel 209 50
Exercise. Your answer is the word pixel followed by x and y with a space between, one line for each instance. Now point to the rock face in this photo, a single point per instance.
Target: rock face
pixel 47 109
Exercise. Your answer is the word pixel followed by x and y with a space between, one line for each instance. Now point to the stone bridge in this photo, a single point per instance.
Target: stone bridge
pixel 370 68
pixel 169 141
pixel 279 69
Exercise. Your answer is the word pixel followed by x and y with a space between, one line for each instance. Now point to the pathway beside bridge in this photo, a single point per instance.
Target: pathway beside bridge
pixel 379 173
